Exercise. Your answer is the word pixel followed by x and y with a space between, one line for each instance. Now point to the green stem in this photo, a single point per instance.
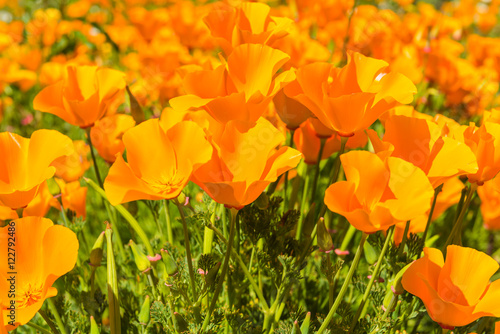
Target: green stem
pixel 345 286
pixel 317 169
pixel 455 236
pixel 38 328
pixel 112 280
pixel 188 249
pixel 234 213
pixel 92 153
pixel 405 237
pixel 348 237
pixel 285 186
pixel 431 212
pixel 375 274
pixel 335 171
pixel 170 235
pixel 243 267
pixel 56 315
pixel 48 321
pixel 298 233
pixel 128 217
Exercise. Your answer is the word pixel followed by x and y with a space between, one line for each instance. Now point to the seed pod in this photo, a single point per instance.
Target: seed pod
pixel 94 329
pixel 144 314
pixel 325 242
pixel 305 325
pixel 170 265
pixel 96 254
pixel 141 260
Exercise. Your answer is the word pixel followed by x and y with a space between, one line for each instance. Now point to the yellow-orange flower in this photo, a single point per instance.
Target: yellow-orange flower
pixel 239 90
pixel 490 204
pixel 44 252
pixel 422 143
pixel 72 167
pixel 84 96
pixel 244 162
pixel 351 98
pixel 107 134
pixel 160 169
pixel 457 291
pixel 73 197
pixel 26 163
pixel 378 193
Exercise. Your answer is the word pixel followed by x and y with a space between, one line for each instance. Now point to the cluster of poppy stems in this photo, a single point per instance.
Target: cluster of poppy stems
pixel 226 133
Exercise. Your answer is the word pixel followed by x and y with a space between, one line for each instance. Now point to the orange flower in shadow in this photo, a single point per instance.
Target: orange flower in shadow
pixel 239 90
pixel 457 291
pixel 26 163
pixel 84 96
pixel 72 167
pixel 160 169
pixel 107 134
pixel 244 162
pixel 44 252
pixel 351 98
pixel 74 197
pixel 378 193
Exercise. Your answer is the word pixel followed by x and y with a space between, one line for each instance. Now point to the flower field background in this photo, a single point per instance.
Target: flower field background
pixel 249 167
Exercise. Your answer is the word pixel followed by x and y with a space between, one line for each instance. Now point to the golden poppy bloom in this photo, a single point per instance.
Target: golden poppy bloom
pixel 73 197
pixel 490 204
pixel 378 193
pixel 72 167
pixel 457 291
pixel 250 22
pixel 239 90
pixel 107 134
pixel 26 163
pixel 44 252
pixel 84 96
pixel 244 162
pixel 422 142
pixel 351 98
pixel 291 112
pixel 160 169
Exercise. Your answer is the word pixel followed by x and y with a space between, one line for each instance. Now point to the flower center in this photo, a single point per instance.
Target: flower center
pixel 31 295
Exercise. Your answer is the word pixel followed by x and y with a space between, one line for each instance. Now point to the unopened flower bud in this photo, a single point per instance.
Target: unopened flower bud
pixel 96 253
pixel 141 260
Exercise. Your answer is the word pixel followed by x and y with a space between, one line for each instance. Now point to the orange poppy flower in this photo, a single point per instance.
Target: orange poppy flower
pixel 484 141
pixel 249 23
pixel 351 98
pixel 244 162
pixel 378 193
pixel 26 163
pixel 290 111
pixel 239 90
pixel 44 252
pixel 308 142
pixel 490 204
pixel 160 169
pixel 72 167
pixel 84 96
pixel 422 143
pixel 73 196
pixel 107 134
pixel 450 195
pixel 457 291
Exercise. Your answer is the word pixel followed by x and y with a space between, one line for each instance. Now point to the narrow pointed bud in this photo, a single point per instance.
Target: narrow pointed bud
pixel 144 314
pixel 398 286
pixel 182 198
pixel 305 325
pixel 94 329
pixel 325 242
pixel 182 325
pixel 141 260
pixel 212 274
pixel 135 108
pixel 296 328
pixel 96 254
pixel 170 265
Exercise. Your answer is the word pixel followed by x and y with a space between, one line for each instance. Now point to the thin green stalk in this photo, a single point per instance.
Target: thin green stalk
pixel 234 213
pixel 285 187
pixel 56 315
pixel 405 237
pixel 375 274
pixel 455 236
pixel 335 171
pixel 243 267
pixel 431 212
pixel 331 289
pixel 345 286
pixel 188 249
pixel 170 235
pixel 92 153
pixel 128 217
pixel 38 328
pixel 48 321
pixel 298 233
pixel 317 169
pixel 113 295
pixel 348 237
